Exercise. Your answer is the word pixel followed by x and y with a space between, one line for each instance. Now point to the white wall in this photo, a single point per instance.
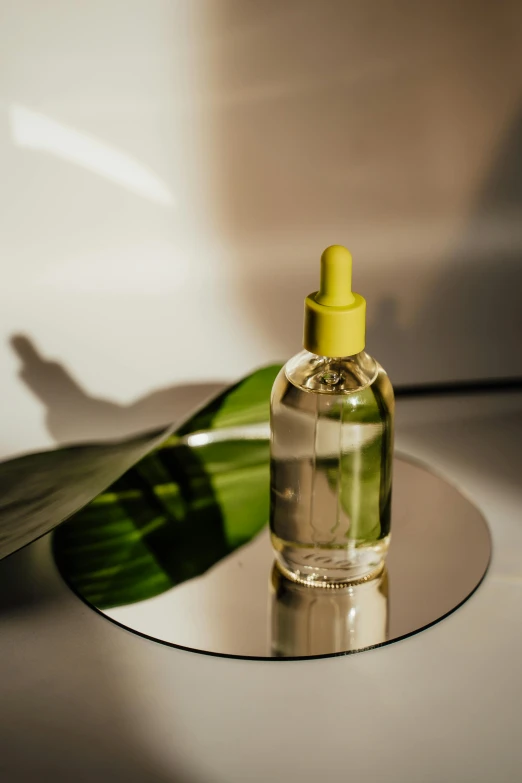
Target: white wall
pixel 171 172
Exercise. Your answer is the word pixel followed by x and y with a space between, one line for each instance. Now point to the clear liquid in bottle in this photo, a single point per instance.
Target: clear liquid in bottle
pixel 331 468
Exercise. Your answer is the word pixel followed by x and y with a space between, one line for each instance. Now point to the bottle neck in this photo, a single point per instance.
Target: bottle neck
pixel 331 375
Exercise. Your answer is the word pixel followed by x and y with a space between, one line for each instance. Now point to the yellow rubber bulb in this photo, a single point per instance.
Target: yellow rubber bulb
pixel 336 277
pixel 335 316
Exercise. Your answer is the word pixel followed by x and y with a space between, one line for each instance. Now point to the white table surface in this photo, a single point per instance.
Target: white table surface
pixel 83 700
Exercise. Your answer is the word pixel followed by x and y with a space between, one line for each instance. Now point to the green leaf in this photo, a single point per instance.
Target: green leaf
pixel 247 402
pixel 180 509
pixel 39 491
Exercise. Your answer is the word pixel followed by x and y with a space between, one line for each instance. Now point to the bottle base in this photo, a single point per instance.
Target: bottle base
pixel 330 585
pixel 330 567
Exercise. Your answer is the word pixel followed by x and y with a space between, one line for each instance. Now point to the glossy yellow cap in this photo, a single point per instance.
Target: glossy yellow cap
pixel 335 317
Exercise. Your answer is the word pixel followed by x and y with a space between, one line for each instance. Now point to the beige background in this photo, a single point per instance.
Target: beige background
pixel 172 171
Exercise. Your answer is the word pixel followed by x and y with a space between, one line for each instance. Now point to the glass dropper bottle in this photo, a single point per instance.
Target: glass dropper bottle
pixel 332 411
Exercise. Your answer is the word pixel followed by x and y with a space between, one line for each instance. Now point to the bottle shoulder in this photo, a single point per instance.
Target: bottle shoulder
pixel 339 376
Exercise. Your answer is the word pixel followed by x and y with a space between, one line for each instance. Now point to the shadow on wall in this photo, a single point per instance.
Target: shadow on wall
pixel 72 415
pixel 473 315
pixel 341 122
pixel 468 327
pixel 329 121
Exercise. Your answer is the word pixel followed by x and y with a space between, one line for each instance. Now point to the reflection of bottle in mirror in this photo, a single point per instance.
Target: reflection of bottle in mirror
pixel 332 411
pixel 308 621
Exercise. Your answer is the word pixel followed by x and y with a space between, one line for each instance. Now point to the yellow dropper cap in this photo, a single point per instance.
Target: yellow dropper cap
pixel 335 317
